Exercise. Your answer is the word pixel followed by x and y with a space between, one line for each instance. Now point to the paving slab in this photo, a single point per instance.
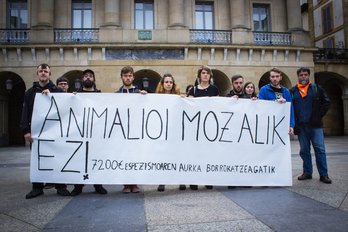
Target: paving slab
pixel 94 212
pixel 283 210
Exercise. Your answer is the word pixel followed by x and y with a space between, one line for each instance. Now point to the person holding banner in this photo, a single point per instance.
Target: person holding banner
pixel 63 84
pixel 310 105
pixel 205 88
pixel 44 85
pixel 167 85
pixel 237 87
pixel 127 76
pixel 249 91
pixel 274 91
pixel 88 86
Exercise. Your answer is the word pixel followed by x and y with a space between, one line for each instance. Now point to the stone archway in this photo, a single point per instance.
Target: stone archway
pixel 147 79
pixel 336 87
pixel 72 76
pixel 11 103
pixel 221 81
pixel 264 80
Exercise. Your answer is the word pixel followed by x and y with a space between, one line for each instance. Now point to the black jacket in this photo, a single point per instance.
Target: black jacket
pixel 233 93
pixel 320 105
pixel 28 103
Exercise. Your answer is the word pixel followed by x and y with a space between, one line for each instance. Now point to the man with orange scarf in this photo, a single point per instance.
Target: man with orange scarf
pixel 310 105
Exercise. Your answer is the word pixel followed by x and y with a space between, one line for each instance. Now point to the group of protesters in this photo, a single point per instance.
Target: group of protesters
pixel 309 103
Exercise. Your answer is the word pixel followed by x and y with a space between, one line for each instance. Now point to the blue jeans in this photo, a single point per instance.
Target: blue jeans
pixel 306 136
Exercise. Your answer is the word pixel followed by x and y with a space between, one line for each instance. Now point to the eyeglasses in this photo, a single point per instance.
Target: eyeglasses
pixel 62 83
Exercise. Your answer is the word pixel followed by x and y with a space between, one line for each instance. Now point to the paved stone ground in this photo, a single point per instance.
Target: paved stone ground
pixel 306 206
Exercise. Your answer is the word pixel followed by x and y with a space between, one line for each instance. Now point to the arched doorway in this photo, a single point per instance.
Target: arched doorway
pixel 147 79
pixel 336 87
pixel 221 81
pixel 72 77
pixel 12 89
pixel 264 80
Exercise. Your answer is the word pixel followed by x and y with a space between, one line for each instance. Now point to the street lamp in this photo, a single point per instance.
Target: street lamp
pixel 9 85
pixel 77 84
pixel 146 83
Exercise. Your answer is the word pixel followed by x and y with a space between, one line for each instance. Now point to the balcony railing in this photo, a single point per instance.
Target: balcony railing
pixel 210 36
pixel 85 35
pixel 331 54
pixel 272 38
pixel 12 36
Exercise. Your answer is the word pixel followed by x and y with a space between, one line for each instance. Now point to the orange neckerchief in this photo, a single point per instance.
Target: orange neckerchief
pixel 303 89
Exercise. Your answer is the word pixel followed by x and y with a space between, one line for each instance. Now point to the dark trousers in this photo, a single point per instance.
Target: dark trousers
pixel 37 185
pixel 80 186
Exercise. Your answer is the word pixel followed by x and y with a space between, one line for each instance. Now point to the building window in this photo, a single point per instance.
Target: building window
pixel 327 19
pixel 261 17
pixel 18 14
pixel 82 14
pixel 204 15
pixel 144 16
pixel 329 42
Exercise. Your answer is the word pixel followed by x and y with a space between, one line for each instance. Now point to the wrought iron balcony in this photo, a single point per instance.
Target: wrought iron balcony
pixel 14 36
pixel 68 35
pixel 331 54
pixel 272 38
pixel 210 36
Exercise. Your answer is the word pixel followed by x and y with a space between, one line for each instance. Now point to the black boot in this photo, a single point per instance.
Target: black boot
pixel 35 192
pixel 77 190
pixel 160 188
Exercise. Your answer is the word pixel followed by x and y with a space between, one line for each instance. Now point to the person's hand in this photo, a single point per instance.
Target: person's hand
pixel 291 131
pixel 281 100
pixel 254 98
pixel 235 97
pixel 143 92
pixel 45 92
pixel 28 137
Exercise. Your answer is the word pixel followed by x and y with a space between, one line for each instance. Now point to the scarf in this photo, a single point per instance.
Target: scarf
pixel 303 89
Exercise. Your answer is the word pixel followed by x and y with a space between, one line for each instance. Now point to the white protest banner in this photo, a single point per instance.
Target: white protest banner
pixel 109 138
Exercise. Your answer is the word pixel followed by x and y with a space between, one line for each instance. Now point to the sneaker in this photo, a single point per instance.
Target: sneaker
pixel 182 187
pixel 160 188
pixel 100 189
pixel 63 192
pixel 194 187
pixel 325 179
pixel 76 191
pixel 135 189
pixel 127 189
pixel 209 187
pixel 34 193
pixel 305 176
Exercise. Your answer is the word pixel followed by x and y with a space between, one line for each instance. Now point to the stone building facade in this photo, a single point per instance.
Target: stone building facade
pixel 248 37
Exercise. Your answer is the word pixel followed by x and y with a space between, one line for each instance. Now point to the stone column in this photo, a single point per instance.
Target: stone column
pixel 43 21
pixel 176 13
pixel 112 13
pixel 237 12
pixel 294 15
pixel 345 113
pixel 45 13
pixel 61 12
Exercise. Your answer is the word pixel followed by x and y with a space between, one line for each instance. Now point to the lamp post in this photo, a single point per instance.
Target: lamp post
pixel 146 83
pixel 9 85
pixel 77 84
